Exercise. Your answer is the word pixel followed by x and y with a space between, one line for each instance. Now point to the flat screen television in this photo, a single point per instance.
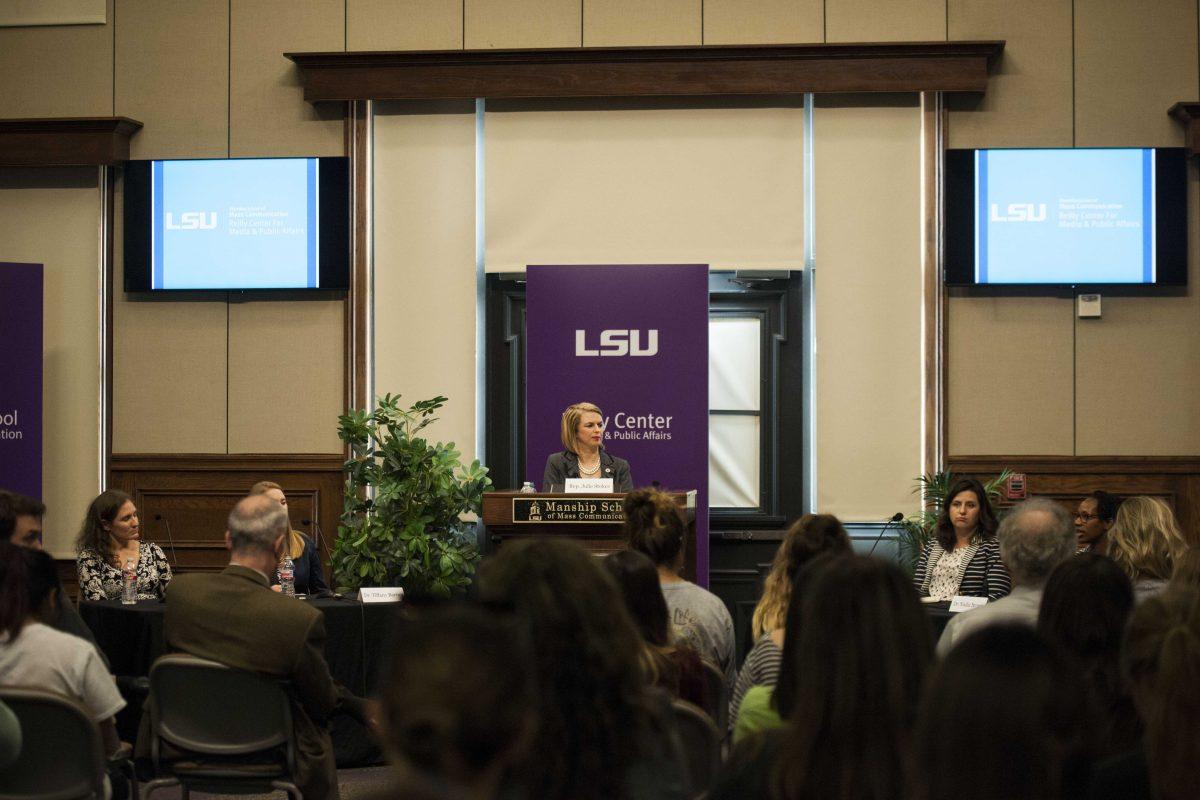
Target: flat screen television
pixel 245 224
pixel 1087 217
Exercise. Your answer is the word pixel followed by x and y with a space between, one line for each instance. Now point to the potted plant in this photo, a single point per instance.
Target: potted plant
pixel 917 530
pixel 402 519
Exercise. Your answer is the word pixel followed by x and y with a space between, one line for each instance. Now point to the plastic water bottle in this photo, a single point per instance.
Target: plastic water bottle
pixel 287 576
pixel 129 590
pixel 527 488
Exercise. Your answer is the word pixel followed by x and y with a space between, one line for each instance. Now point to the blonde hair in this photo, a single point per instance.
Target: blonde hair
pixel 1145 538
pixel 571 419
pixel 809 536
pixel 295 539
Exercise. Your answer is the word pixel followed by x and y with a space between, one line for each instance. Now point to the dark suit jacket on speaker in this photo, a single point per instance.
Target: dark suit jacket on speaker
pixel 560 466
pixel 234 618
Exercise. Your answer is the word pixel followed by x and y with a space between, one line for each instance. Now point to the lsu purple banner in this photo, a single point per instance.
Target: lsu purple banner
pixel 634 341
pixel 21 378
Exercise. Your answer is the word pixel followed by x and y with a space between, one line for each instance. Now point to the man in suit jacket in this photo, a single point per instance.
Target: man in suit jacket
pixel 234 618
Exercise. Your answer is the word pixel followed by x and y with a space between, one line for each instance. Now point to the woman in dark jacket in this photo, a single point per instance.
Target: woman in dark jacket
pixel 964 556
pixel 584 455
pixel 306 560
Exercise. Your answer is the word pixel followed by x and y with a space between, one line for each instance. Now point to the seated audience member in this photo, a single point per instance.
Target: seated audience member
pixel 21 524
pixel 457 710
pixel 602 731
pixel 857 648
pixel 1035 537
pixel 1187 568
pixel 673 667
pixel 1003 717
pixel 1144 541
pixel 109 543
pixel 233 617
pixel 34 655
pixel 10 736
pixel 1093 518
pixel 1160 660
pixel 964 556
pixel 306 560
pixel 809 537
pixel 1085 606
pixel 653 527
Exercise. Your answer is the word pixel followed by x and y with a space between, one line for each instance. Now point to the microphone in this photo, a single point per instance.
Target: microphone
pixel 894 519
pixel 316 529
pixel 170 539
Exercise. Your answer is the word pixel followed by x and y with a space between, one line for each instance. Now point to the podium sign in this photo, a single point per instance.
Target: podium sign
pixel 633 340
pixel 21 378
pixel 537 510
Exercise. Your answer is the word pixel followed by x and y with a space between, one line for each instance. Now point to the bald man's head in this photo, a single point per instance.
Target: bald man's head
pixel 256 524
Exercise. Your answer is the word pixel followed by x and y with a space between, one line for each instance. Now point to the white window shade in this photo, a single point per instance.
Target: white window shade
pixel 733 460
pixel 717 186
pixel 734 363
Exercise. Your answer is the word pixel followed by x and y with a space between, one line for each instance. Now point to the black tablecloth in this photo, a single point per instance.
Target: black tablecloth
pixel 132 637
pixel 939 615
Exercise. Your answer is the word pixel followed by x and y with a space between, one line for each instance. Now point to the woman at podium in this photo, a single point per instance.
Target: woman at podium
pixel 584 455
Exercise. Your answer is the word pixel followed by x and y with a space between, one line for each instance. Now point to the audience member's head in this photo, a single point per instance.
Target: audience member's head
pixel 1187 568
pixel 256 527
pixel 1035 537
pixel 28 587
pixel 458 707
pixel 95 533
pixel 653 526
pixel 590 688
pixel 1085 606
pixel 1003 717
pixel 1161 661
pixel 637 578
pixel 856 649
pixel 1145 538
pixel 809 537
pixel 967 508
pixel 21 519
pixel 1093 519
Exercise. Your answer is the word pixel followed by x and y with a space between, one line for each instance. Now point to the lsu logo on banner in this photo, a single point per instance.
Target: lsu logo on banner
pixel 618 342
pixel 190 221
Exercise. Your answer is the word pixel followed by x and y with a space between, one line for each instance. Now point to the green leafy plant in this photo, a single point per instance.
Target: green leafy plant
pixel 402 518
pixel 918 530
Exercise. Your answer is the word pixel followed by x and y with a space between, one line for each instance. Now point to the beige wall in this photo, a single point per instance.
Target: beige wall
pixel 1025 376
pixel 49 217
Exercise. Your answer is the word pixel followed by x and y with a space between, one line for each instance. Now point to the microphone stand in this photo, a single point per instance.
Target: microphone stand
pixel 894 519
pixel 170 539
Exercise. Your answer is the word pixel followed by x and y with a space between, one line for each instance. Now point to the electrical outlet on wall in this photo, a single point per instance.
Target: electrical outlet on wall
pixel 1088 306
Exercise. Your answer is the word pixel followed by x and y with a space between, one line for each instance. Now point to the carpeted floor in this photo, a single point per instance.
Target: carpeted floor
pixel 353 784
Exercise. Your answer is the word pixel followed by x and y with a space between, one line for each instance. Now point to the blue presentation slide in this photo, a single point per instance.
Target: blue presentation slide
pixel 1064 216
pixel 235 224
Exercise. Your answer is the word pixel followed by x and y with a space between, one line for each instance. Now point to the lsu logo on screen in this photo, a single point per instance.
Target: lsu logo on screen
pixel 190 221
pixel 1020 212
pixel 618 343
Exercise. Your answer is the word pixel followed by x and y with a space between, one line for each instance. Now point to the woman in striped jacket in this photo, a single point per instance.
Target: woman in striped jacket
pixel 964 556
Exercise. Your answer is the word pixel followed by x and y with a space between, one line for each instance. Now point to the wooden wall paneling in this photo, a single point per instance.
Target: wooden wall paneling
pixel 172 72
pixel 404 24
pixel 649 71
pixel 885 20
pixel 57 70
pixel 615 23
pixel 194 493
pixel 267 116
pixel 763 21
pixel 1069 478
pixel 1029 101
pixel 1131 63
pixel 522 23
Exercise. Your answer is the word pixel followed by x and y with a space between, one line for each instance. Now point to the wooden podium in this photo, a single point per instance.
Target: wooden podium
pixel 593 520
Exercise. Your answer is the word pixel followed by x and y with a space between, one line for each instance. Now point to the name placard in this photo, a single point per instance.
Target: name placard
pixel 541 510
pixel 380 594
pixel 962 602
pixel 589 485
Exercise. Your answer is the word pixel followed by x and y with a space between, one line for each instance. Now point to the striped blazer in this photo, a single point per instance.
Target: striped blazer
pixel 981 574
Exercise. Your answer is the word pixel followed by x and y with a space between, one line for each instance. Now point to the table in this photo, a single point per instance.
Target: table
pixel 939 615
pixel 358 639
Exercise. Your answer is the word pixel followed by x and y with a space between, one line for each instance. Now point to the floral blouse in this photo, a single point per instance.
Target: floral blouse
pixel 100 580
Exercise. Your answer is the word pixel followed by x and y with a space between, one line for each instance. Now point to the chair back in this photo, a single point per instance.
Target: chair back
pixel 718 690
pixel 700 742
pixel 205 707
pixel 62 755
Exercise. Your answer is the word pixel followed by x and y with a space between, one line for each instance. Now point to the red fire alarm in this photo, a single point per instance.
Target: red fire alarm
pixel 1014 487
